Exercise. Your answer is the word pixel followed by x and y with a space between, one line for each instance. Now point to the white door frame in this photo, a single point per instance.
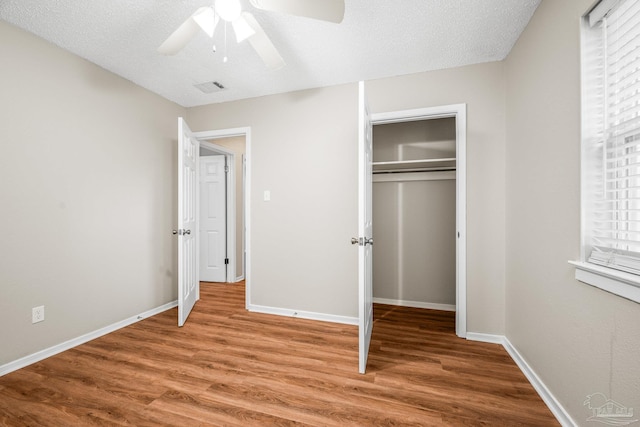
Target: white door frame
pixel 203 139
pixel 459 112
pixel 230 198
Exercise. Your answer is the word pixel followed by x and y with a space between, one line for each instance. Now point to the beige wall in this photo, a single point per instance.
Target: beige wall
pixel 303 150
pixel 414 229
pixel 578 339
pixel 481 87
pixel 87 194
pixel 415 140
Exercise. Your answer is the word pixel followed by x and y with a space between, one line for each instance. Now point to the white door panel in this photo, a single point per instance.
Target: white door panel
pixel 188 284
pixel 213 224
pixel 365 230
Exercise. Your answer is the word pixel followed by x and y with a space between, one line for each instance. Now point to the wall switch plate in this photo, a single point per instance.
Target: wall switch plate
pixel 37 314
pixel 267 195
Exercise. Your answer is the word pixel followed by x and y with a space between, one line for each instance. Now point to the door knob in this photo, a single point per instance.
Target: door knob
pixel 363 241
pixel 181 232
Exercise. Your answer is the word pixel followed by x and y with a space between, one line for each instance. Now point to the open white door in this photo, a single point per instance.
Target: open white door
pixel 213 219
pixel 188 284
pixel 365 229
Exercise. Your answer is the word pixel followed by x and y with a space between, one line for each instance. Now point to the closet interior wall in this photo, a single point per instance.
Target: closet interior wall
pixel 414 213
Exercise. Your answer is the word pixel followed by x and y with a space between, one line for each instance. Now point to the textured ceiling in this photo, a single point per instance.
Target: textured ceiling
pixel 378 38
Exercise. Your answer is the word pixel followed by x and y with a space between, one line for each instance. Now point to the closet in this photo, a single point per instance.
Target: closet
pixel 414 213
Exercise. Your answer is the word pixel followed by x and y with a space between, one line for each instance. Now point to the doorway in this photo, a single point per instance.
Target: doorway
pixel 436 164
pixel 214 226
pixel 235 143
pixel 414 211
pixel 221 206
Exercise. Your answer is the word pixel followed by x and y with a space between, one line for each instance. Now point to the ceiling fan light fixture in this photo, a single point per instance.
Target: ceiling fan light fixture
pixel 229 10
pixel 206 19
pixel 242 29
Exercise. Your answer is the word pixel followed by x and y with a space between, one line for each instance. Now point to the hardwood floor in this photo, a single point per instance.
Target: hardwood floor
pixel 227 366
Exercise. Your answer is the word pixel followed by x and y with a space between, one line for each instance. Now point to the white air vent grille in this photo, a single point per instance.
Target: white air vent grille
pixel 210 87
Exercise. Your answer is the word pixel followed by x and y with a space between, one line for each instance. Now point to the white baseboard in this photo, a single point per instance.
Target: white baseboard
pixel 490 338
pixel 59 348
pixel 549 399
pixel 303 314
pixel 416 304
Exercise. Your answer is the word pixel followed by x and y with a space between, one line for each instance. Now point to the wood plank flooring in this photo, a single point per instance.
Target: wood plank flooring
pixel 229 367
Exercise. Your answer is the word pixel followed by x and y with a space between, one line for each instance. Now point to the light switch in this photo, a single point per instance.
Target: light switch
pixel 267 195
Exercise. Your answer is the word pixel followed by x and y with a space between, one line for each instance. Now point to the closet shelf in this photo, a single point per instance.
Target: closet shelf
pixel 422 164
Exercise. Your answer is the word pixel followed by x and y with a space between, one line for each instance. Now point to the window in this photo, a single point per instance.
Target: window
pixel 611 146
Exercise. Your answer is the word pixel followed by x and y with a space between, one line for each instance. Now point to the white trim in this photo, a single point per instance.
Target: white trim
pixel 222 133
pixel 417 114
pixel 617 282
pixel 323 317
pixel 213 147
pixel 74 342
pixel 600 10
pixel 490 338
pixel 247 216
pixel 461 219
pixel 244 214
pixel 459 112
pixel 415 304
pixel 548 398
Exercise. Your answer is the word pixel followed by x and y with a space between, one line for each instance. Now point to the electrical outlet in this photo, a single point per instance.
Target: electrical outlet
pixel 37 314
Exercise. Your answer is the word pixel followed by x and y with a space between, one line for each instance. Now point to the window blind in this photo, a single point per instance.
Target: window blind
pixel 615 216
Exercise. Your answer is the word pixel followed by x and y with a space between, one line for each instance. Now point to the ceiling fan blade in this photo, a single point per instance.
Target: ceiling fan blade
pixel 242 29
pixel 263 46
pixel 207 19
pixel 181 36
pixel 324 10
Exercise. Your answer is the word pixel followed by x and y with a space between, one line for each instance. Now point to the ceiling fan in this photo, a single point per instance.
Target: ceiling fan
pixel 245 25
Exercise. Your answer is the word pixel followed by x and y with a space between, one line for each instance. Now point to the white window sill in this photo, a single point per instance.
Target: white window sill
pixel 617 282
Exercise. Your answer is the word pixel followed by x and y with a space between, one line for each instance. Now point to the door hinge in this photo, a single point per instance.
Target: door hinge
pixel 226 169
pixel 226 260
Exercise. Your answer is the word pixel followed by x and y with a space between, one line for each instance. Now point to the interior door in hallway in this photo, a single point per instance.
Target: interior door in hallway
pixel 213 224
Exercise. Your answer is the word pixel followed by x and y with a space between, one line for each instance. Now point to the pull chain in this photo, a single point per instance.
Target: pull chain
pixel 215 18
pixel 225 59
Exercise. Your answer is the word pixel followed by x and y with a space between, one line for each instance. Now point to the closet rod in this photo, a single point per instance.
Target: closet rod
pixel 414 170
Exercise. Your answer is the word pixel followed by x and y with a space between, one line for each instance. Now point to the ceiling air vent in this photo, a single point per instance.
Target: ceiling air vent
pixel 210 87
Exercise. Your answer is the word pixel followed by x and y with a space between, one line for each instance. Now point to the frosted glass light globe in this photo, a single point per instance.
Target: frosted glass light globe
pixel 229 10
